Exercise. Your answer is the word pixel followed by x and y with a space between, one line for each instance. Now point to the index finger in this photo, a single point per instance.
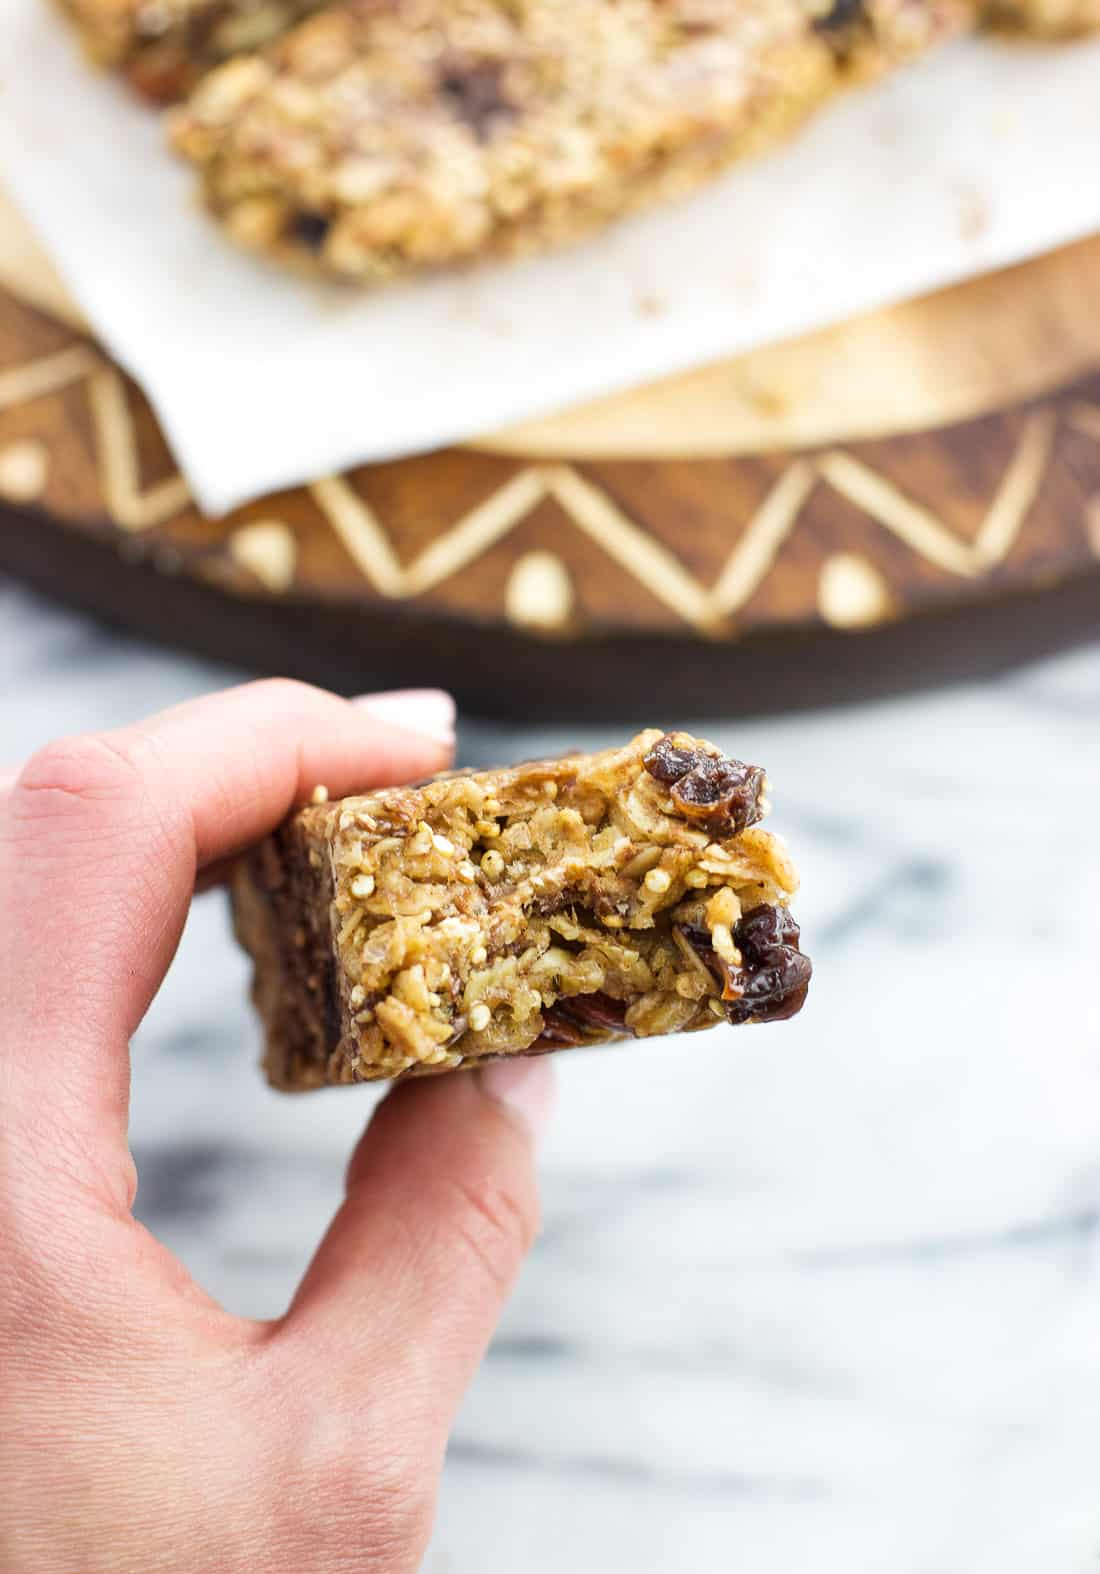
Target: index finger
pixel 100 841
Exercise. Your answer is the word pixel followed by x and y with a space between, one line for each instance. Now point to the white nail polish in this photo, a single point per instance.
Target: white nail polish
pixel 429 712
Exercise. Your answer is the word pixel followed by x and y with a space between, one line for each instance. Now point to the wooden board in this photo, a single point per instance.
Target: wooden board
pixel 910 497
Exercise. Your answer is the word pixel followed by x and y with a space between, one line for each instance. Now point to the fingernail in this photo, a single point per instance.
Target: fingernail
pixel 430 712
pixel 524 1086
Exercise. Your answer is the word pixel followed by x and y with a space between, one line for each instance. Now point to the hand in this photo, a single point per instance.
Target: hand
pixel 142 1427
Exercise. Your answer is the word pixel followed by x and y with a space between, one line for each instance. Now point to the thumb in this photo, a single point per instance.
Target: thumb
pixel 441 1209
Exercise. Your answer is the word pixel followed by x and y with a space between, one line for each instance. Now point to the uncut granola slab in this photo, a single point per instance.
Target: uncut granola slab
pixel 165 46
pixel 562 902
pixel 385 136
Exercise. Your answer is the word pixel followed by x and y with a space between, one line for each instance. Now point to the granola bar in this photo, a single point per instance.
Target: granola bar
pixel 165 46
pixel 558 903
pixel 385 136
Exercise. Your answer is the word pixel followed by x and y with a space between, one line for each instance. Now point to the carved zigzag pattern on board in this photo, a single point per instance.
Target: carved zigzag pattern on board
pixel 540 594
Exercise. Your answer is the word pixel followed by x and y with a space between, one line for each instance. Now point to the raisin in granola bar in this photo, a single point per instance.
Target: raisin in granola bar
pixel 557 903
pixel 165 46
pixel 385 136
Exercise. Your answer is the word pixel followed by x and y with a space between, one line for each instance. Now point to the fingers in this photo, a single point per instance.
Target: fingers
pixel 100 841
pixel 441 1209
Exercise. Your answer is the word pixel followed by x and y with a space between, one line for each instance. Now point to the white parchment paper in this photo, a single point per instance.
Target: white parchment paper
pixel 982 155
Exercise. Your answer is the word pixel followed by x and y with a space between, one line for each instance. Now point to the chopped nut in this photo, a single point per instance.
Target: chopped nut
pixel 362 886
pixel 479 955
pixel 443 845
pixel 421 842
pixel 466 871
pixel 722 941
pixel 723 907
pixel 642 862
pixel 658 881
pixel 697 879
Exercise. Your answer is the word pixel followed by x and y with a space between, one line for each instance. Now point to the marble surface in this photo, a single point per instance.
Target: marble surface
pixel 822 1298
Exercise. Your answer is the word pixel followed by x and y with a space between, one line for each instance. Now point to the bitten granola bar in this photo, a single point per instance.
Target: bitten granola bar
pixel 562 902
pixel 165 46
pixel 384 136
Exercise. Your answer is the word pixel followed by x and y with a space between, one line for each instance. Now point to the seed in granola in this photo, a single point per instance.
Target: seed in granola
pixel 722 941
pixel 466 871
pixel 480 1017
pixel 492 863
pixel 479 955
pixel 658 881
pixel 444 846
pixel 362 886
